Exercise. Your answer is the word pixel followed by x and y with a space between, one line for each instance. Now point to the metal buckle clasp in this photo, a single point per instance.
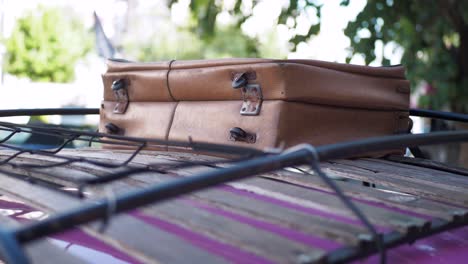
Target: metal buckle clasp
pixel 251 93
pixel 238 134
pixel 119 87
pixel 252 99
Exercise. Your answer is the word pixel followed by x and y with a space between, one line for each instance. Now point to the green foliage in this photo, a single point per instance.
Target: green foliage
pixel 292 12
pixel 182 45
pixel 45 45
pixel 230 42
pixel 201 37
pixel 434 36
pixel 185 45
pixel 205 12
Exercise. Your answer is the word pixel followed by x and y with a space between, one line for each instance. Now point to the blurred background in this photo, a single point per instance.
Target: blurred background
pixel 52 52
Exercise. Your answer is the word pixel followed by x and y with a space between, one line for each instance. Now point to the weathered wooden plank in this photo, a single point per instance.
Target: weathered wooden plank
pixel 225 230
pixel 58 175
pixel 229 231
pixel 329 203
pixel 321 226
pixel 430 164
pixel 308 223
pixel 200 221
pixel 43 251
pixel 300 196
pixel 246 237
pixel 323 202
pixel 407 202
pixel 124 232
pixel 401 183
pixel 155 243
pixel 144 157
pixel 418 174
pixel 148 159
pixel 403 201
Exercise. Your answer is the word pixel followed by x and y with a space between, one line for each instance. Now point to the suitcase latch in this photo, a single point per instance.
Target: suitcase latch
pixel 251 93
pixel 119 87
pixel 252 99
pixel 238 134
pixel 113 129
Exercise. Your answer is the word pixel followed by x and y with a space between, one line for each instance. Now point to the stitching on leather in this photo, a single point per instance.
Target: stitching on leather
pixel 170 124
pixel 167 80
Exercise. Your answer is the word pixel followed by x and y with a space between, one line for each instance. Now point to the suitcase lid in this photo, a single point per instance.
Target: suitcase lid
pixel 254 80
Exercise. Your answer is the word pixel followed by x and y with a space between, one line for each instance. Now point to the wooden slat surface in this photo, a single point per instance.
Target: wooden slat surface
pixel 43 251
pixel 438 166
pixel 232 232
pixel 406 182
pixel 329 202
pixel 415 202
pixel 285 216
pixel 402 201
pixel 124 231
pixel 323 202
pixel 388 218
pixel 296 195
pixel 278 217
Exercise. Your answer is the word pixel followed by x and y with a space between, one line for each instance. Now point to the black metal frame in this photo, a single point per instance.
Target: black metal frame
pixel 438 115
pixel 49 111
pixel 246 162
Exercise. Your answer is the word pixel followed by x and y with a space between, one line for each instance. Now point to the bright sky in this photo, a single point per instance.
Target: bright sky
pixel 331 43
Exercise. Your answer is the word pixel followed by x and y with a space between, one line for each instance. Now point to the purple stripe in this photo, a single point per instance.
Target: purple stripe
pixel 276 229
pixel 446 247
pixel 303 209
pixel 226 251
pixel 394 209
pixel 5 204
pixel 300 208
pixel 73 236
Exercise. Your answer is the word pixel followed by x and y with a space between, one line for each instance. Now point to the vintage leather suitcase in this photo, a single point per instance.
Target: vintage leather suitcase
pixel 259 103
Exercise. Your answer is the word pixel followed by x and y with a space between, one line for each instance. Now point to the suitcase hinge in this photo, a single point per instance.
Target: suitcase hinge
pixel 251 93
pixel 252 99
pixel 119 87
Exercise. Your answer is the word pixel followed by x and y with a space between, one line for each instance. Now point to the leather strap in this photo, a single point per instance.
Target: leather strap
pixel 167 80
pixel 173 99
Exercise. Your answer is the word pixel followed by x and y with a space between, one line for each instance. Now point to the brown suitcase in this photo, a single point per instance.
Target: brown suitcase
pixel 259 103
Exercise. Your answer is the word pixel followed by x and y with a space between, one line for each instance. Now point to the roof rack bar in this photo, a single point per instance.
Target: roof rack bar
pixel 439 115
pixel 49 111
